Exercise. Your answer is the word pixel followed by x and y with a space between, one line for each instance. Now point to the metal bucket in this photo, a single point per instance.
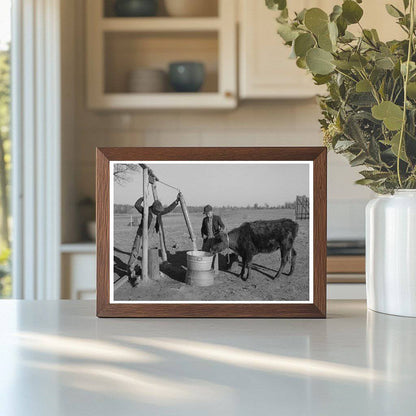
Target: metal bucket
pixel 200 271
pixel 199 260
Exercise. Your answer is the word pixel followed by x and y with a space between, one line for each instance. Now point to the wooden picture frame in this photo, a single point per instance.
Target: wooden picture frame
pixel 316 308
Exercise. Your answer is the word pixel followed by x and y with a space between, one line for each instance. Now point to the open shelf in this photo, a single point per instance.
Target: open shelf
pixel 80 247
pixel 160 24
pixel 108 9
pixel 127 51
pixel 116 46
pixel 194 101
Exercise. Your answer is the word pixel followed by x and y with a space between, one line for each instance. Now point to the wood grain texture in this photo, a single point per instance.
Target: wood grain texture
pixel 317 309
pixel 319 230
pixel 103 231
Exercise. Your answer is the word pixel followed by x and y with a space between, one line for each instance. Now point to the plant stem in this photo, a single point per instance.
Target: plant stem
pixel 392 90
pixel 406 80
pixel 369 41
pixel 345 75
pixel 373 89
pixel 397 95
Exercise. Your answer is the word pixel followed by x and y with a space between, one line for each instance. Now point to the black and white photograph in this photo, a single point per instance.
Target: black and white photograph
pixel 215 232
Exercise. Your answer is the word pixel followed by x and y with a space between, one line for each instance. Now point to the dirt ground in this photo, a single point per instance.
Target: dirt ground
pixel 227 286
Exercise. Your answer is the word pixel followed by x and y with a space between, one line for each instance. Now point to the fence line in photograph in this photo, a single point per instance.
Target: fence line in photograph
pixel 302 208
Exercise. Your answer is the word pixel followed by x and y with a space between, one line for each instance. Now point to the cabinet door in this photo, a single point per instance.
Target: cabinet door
pixel 265 68
pixel 78 276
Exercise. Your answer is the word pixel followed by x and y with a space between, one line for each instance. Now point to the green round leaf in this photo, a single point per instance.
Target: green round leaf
pixel 327 40
pixel 391 114
pixel 411 90
pixel 342 25
pixel 342 64
pixel 394 144
pixel 333 32
pixel 324 42
pixel 347 37
pixel 358 61
pixel 276 4
pixel 363 86
pixel 358 160
pixel 316 20
pixel 403 66
pixel 368 36
pixel 385 63
pixel 393 11
pixel 336 12
pixel 321 79
pixel 364 181
pixel 351 11
pixel 303 43
pixel 301 63
pixel 375 35
pixel 319 61
pixel 286 32
pixel 300 16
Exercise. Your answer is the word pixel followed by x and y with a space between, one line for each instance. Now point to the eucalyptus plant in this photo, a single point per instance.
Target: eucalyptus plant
pixel 369 113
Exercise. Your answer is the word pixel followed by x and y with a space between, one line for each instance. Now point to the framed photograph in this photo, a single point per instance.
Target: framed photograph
pixel 211 232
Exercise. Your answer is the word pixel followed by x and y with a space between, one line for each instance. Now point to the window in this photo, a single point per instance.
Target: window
pixel 5 145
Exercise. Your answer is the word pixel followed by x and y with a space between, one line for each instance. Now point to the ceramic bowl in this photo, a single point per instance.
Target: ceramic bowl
pixel 135 8
pixel 147 80
pixel 186 76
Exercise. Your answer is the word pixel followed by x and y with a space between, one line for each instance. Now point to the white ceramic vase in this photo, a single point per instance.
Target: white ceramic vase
pixel 391 253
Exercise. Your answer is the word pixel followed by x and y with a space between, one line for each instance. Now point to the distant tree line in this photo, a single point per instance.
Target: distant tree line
pixel 129 209
pixel 123 209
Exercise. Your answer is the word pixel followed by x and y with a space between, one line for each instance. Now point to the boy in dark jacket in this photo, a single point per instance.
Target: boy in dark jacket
pixel 156 211
pixel 212 225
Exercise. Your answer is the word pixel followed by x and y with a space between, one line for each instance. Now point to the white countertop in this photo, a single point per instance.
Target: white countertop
pixel 56 358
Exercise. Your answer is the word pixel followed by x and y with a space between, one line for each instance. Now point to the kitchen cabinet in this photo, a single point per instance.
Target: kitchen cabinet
pixel 78 263
pixel 265 70
pixel 116 46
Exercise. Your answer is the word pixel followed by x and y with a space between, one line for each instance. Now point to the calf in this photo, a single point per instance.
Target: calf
pixel 252 238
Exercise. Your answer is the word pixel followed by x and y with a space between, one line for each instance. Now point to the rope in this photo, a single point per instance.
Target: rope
pixel 151 174
pixel 170 186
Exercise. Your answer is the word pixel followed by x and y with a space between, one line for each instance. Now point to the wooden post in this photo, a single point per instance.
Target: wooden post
pixel 145 243
pixel 161 229
pixel 188 221
pixel 154 269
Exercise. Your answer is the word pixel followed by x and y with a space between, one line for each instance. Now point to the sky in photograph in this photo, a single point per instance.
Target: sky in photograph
pixel 5 21
pixel 222 184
